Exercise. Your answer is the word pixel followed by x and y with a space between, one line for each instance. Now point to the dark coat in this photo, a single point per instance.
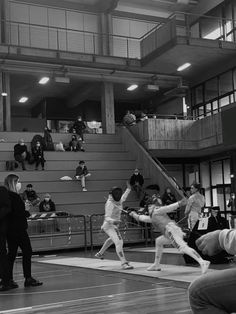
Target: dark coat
pixel 38 153
pixel 47 206
pixel 81 171
pixel 5 208
pixel 136 179
pixel 79 126
pixel 17 219
pixel 168 199
pixel 20 149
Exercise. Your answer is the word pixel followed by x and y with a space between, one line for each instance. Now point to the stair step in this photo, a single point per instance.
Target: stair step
pixel 8 155
pixel 36 176
pixel 57 137
pixel 93 147
pixel 72 164
pixel 74 186
pixel 89 208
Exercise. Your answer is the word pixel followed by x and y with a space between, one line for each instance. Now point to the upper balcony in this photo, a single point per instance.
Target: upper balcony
pixel 173 136
pixel 202 40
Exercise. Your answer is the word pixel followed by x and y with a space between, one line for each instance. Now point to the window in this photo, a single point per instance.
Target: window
pixel 225 83
pixel 211 89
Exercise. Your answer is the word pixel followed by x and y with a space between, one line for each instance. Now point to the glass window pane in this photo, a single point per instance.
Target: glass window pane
pixel 220 198
pixel 211 90
pixel 201 111
pixel 216 173
pixel 227 197
pixel 215 105
pixel 214 197
pixel 198 95
pixel 224 101
pixel 225 83
pixel 191 174
pixel 227 179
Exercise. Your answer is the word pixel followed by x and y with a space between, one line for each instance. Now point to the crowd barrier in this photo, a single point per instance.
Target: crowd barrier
pixel 58 231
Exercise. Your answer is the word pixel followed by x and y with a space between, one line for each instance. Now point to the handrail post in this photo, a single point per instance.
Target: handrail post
pixel 85 233
pixel 91 233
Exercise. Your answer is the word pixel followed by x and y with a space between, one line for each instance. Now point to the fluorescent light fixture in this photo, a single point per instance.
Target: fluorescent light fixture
pixel 132 87
pixel 184 66
pixel 4 94
pixel 62 79
pixel 44 80
pixel 23 99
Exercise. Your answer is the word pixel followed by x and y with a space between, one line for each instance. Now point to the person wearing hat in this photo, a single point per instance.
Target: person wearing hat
pixel 30 197
pixel 136 182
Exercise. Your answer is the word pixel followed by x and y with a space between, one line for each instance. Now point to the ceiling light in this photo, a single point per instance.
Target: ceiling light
pixel 23 99
pixel 44 80
pixel 183 66
pixel 132 87
pixel 4 94
pixel 62 79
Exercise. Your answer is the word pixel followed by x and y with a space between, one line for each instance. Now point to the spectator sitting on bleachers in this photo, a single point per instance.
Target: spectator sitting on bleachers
pixel 47 205
pixel 21 153
pixel 30 197
pixel 82 173
pixel 38 155
pixel 74 144
pixel 136 181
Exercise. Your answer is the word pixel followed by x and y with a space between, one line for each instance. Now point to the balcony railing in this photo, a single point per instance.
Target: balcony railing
pixel 79 41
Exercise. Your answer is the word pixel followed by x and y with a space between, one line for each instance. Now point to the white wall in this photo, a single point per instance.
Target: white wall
pixel 59 28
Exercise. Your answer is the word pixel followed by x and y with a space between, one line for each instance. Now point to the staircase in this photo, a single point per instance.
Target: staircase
pixel 105 157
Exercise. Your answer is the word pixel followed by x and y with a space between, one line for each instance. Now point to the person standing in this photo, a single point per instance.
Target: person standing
pixel 5 208
pixel 214 293
pixel 79 126
pixel 194 205
pixel 136 182
pixel 17 235
pixel 110 226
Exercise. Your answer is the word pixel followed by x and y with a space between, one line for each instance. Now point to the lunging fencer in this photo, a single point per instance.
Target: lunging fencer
pixel 171 233
pixel 113 209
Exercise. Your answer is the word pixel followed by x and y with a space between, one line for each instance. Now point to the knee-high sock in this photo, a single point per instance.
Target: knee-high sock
pixel 160 241
pixel 106 245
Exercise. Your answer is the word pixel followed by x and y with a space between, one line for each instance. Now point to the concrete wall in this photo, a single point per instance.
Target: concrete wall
pixel 180 134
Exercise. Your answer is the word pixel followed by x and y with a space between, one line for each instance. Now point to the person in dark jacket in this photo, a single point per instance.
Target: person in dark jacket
pixel 79 126
pixel 5 208
pixel 38 155
pixel 30 197
pixel 17 235
pixel 47 205
pixel 82 173
pixel 21 153
pixel 74 144
pixel 136 182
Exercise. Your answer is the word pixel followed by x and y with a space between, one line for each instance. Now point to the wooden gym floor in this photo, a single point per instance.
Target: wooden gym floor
pixel 75 283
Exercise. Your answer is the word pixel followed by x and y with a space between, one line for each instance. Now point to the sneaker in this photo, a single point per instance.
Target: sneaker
pixel 84 190
pixel 13 284
pixel 126 266
pixel 4 287
pixel 99 255
pixel 31 282
pixel 204 266
pixel 154 267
